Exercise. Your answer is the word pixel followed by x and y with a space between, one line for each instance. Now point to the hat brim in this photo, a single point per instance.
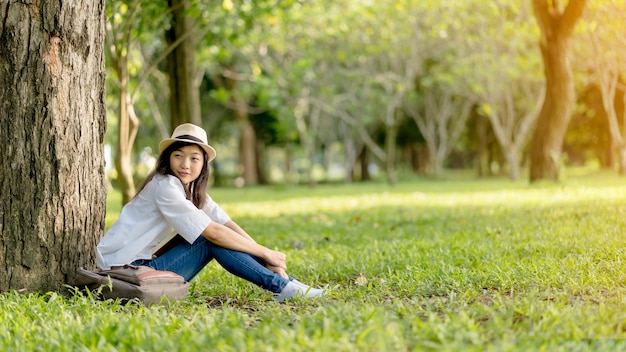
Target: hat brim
pixel 210 152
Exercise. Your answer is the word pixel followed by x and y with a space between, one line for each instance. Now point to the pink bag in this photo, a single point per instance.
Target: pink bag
pixel 143 282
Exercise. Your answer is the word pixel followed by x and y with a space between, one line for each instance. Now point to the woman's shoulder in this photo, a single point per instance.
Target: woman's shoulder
pixel 164 182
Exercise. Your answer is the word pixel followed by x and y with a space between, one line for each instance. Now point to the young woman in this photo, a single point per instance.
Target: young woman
pixel 173 201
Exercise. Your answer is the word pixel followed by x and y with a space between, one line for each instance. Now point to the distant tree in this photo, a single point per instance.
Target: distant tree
pixel 507 81
pixel 229 56
pixel 441 116
pixel 588 136
pixel 480 138
pixel 131 25
pixel 440 101
pixel 269 132
pixel 52 119
pixel 557 26
pixel 411 143
pixel 119 34
pixel 606 61
pixel 181 65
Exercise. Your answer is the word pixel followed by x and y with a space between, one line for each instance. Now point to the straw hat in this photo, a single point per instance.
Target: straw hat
pixel 189 133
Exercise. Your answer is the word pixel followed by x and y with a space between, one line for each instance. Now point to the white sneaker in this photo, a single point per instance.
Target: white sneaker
pixel 297 289
pixel 316 291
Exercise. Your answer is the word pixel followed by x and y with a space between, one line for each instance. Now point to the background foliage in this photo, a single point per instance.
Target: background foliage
pixel 328 85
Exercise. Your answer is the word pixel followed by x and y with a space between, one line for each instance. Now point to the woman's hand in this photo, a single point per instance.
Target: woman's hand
pixel 275 259
pixel 277 270
pixel 226 237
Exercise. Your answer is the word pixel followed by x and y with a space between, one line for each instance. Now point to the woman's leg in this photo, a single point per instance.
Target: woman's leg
pixel 249 268
pixel 184 259
pixel 188 259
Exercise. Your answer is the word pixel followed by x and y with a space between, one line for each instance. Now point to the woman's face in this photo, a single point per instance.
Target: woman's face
pixel 186 163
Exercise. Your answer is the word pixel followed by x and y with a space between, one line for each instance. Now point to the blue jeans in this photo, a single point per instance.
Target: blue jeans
pixel 188 259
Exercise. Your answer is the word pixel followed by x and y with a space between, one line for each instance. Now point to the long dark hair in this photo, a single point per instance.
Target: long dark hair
pixel 197 190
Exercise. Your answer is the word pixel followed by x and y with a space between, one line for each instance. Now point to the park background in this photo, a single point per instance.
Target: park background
pixel 325 91
pixel 452 111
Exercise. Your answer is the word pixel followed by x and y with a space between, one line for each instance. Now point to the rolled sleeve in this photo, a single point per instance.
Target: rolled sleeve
pixel 179 212
pixel 215 212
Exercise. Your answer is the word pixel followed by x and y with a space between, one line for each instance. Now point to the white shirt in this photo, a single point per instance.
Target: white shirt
pixel 158 212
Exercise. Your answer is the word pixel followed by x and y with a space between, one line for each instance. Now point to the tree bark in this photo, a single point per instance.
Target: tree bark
pixel 184 92
pixel 391 139
pixel 260 158
pixel 482 125
pixel 247 145
pixel 52 119
pixel 556 31
pixel 119 40
pixel 128 126
pixel 364 162
pixel 622 161
pixel 247 134
pixel 434 122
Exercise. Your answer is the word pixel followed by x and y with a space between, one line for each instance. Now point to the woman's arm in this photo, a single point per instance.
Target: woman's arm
pixel 225 236
pixel 235 227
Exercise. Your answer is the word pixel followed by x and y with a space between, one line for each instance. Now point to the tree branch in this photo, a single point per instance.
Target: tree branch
pixel 160 58
pixel 570 16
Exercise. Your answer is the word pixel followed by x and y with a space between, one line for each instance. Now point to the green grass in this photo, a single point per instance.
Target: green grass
pixel 450 265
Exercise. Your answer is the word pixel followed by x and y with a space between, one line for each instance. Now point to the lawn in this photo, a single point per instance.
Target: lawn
pixel 449 265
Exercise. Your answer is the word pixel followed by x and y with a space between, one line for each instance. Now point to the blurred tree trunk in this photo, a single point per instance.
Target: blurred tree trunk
pixel 348 141
pixel 247 135
pixel 261 156
pixel 434 121
pixel 287 170
pixel 510 126
pixel 118 46
pixel 612 107
pixel 364 162
pixel 607 66
pixel 247 145
pixel 391 140
pixel 609 159
pixel 52 110
pixel 556 27
pixel 482 131
pixel 307 117
pixel 424 161
pixel 181 63
pixel 127 128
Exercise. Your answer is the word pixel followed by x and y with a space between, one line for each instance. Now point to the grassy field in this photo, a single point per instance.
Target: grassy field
pixel 472 265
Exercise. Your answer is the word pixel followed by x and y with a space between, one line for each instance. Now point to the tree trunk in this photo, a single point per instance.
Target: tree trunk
pixel 555 113
pixel 481 130
pixel 119 34
pixel 390 150
pixel 126 132
pixel 181 63
pixel 247 144
pixel 306 124
pixel 436 165
pixel 346 139
pixel 556 32
pixel 288 160
pixel 609 158
pixel 260 158
pixel 622 160
pixel 424 159
pixel 364 162
pixel 512 159
pixel 247 134
pixel 52 112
